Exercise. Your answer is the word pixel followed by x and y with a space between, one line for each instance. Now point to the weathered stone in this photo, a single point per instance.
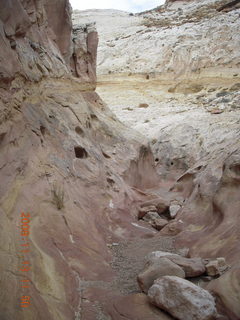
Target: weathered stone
pixel 173 209
pixel 156 269
pixel 151 216
pixel 144 210
pixel 159 223
pixel 172 228
pixel 184 252
pixel 193 267
pixel 182 299
pixel 222 262
pixel 213 268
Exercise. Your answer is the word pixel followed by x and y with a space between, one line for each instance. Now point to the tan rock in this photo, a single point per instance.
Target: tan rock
pixel 172 228
pixel 213 268
pixel 151 216
pixel 156 269
pixel 144 210
pixel 174 208
pixel 159 223
pixel 182 299
pixel 193 267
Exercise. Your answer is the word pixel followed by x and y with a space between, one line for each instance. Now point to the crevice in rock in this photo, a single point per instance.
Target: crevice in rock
pixel 79 131
pixel 229 5
pixel 80 152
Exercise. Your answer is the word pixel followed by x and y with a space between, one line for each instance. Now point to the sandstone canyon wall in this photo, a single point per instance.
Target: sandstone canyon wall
pixel 63 158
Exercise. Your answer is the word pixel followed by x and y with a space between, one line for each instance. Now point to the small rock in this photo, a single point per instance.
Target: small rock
pixel 213 268
pixel 143 105
pixel 221 262
pixel 184 252
pixel 151 216
pixel 144 210
pixel 216 111
pixel 156 269
pixel 159 223
pixel 173 228
pixel 174 208
pixel 182 299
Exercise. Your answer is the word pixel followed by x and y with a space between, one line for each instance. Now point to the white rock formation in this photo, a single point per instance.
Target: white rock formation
pixel 183 60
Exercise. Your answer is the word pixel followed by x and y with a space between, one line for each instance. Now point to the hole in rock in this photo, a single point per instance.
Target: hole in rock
pixel 79 130
pixel 93 116
pixel 156 160
pixel 106 155
pixel 110 181
pixel 43 130
pixel 172 163
pixel 166 214
pixel 80 152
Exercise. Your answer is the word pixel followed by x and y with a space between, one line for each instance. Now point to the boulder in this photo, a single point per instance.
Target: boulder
pixel 156 269
pixel 193 267
pixel 182 299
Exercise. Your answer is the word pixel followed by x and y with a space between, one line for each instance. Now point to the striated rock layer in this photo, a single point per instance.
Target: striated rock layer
pixel 63 160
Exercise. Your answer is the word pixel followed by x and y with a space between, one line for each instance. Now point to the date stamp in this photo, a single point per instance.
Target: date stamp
pixel 25 266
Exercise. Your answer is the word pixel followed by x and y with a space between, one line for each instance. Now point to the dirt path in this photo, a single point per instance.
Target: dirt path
pixel 129 260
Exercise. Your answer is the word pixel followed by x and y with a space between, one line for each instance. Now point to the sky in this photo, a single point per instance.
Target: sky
pixel 125 5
